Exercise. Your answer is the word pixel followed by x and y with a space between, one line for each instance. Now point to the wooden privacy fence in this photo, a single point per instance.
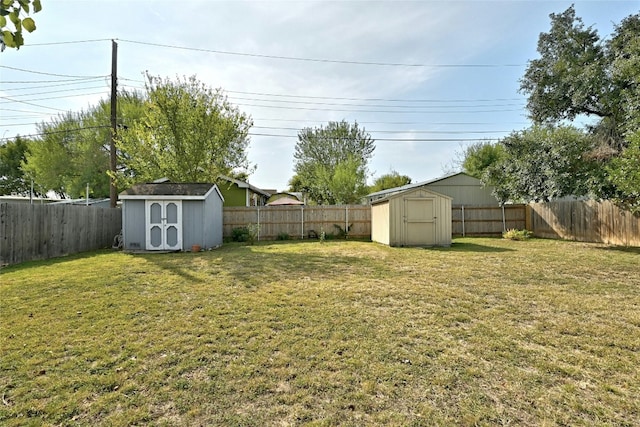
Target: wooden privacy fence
pixel 585 221
pixel 298 221
pixel 32 232
pixel 487 220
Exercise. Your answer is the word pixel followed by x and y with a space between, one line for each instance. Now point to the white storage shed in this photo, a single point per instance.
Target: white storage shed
pixel 171 216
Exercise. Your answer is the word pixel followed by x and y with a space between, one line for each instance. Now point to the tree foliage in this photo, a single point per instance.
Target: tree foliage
pixel 73 150
pixel 478 157
pixel 12 177
pixel 580 74
pixel 390 180
pixel 331 162
pixel 543 163
pixel 11 11
pixel 624 173
pixel 189 133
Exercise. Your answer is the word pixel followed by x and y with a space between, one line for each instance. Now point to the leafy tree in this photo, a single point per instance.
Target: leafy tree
pixel 325 155
pixel 13 9
pixel 12 177
pixel 543 163
pixel 390 180
pixel 189 132
pixel 73 150
pixel 624 173
pixel 478 157
pixel 578 73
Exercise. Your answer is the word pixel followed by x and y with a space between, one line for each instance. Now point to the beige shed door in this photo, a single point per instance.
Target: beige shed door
pixel 419 222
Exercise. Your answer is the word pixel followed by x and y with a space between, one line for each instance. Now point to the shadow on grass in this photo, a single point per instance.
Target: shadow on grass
pixel 54 261
pixel 626 249
pixel 470 247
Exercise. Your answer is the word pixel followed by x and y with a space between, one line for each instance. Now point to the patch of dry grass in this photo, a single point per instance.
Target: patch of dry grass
pixel 487 332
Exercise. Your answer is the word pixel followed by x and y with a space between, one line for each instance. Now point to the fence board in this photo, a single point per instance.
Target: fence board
pixel 486 220
pixel 585 221
pixel 298 221
pixel 33 232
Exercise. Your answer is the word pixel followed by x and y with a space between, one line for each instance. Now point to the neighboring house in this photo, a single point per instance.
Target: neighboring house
pixel 464 189
pixel 285 201
pixel 295 197
pixel 240 193
pixel 171 216
pixel 96 203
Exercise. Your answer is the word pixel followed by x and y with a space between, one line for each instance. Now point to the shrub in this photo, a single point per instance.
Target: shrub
pixel 253 233
pixel 514 234
pixel 240 234
pixel 283 236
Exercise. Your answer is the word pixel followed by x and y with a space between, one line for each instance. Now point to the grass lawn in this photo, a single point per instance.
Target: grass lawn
pixel 487 332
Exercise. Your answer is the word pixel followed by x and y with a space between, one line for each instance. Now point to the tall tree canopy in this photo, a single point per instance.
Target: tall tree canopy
pixel 578 73
pixel 331 162
pixel 189 132
pixel 13 11
pixel 12 178
pixel 478 157
pixel 73 149
pixel 390 180
pixel 543 163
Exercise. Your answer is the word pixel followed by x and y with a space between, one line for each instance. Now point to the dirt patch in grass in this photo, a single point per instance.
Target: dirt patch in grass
pixel 487 332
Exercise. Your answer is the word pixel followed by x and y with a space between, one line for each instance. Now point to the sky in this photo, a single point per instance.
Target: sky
pixel 424 78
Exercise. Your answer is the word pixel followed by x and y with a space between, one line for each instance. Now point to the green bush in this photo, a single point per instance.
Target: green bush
pixel 514 234
pixel 283 236
pixel 240 234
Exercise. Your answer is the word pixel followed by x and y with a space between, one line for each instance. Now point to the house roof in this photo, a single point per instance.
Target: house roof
pixel 282 201
pixel 242 184
pixel 390 191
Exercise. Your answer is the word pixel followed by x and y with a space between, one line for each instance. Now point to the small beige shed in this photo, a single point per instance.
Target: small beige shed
pixel 416 217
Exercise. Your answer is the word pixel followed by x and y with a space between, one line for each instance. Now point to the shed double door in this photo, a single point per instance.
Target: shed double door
pixel 163 225
pixel 419 222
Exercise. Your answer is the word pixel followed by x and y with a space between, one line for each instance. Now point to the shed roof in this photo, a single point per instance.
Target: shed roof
pixel 395 194
pixel 195 191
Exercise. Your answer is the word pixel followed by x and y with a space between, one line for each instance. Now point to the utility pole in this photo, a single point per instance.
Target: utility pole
pixel 113 195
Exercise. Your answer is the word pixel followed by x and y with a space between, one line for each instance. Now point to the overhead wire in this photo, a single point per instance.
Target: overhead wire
pixel 322 60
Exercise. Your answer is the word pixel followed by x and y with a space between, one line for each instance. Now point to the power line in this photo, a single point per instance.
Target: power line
pixel 49 81
pixel 68 42
pixel 376 111
pixel 58 91
pixel 391 139
pixel 55 97
pixel 47 86
pixel 32 104
pixel 322 60
pixel 435 132
pixel 372 99
pixel 46 74
pixel 33 135
pixel 374 105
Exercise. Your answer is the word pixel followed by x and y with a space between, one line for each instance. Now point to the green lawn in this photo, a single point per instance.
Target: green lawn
pixel 487 332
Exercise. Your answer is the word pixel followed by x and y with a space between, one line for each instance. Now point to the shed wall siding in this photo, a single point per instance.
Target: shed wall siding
pixel 133 224
pixel 380 223
pixel 396 219
pixel 192 217
pixel 212 221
